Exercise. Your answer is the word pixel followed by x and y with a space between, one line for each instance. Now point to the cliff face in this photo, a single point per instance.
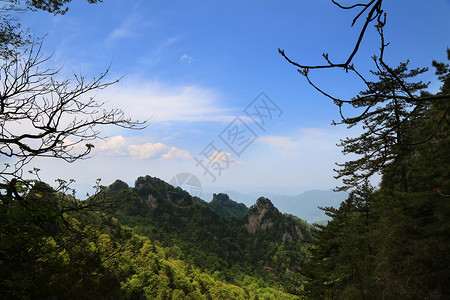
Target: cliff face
pixel 260 215
pixel 151 202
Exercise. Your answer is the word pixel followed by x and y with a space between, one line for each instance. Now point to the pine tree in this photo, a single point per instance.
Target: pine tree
pixel 386 124
pixel 342 262
pixel 392 243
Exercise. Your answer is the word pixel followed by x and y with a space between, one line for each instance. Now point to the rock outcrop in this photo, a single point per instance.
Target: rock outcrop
pixel 260 215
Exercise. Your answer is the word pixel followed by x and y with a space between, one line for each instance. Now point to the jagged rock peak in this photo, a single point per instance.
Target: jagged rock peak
pixel 257 215
pixel 263 204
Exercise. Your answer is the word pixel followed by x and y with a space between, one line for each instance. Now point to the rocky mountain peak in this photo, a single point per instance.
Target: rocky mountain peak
pixel 260 215
pixel 264 204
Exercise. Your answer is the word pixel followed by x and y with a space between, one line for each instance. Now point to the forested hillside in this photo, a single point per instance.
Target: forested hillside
pixel 263 242
pixel 226 207
pixel 163 245
pixel 391 242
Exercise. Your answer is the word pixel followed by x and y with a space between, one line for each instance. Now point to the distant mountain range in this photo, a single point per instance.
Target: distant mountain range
pixel 304 206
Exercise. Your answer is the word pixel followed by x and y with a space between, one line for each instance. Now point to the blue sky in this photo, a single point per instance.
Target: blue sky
pixel 192 67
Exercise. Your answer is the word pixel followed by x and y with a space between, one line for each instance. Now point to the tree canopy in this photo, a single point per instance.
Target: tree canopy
pixel 389 242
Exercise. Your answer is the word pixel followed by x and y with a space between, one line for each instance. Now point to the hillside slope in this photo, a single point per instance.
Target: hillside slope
pixel 264 243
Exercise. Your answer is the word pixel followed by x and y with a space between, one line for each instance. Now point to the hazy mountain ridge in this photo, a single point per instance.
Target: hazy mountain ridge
pixel 304 205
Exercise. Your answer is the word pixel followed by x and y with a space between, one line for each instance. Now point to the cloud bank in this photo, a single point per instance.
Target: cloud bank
pixel 122 146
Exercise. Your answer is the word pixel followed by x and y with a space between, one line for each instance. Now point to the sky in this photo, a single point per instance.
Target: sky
pixel 222 104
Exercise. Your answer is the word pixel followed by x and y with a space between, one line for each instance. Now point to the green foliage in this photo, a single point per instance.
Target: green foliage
pixel 223 247
pixel 386 122
pixel 342 257
pixel 393 243
pixel 48 250
pixel 51 6
pixel 44 252
pixel 226 207
pixel 443 71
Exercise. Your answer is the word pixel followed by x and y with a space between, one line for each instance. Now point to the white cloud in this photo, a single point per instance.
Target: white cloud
pixel 126 29
pixel 162 102
pixel 306 142
pixel 285 142
pixel 313 132
pixel 186 59
pixel 158 150
pixel 159 49
pixel 113 146
pixel 169 41
pixel 175 153
pixel 118 33
pixel 221 157
pixel 121 146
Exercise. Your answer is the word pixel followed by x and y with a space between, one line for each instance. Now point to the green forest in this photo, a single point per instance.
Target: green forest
pixel 156 241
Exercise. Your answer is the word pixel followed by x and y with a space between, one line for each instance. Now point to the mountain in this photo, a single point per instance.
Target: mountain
pixel 149 241
pixel 227 208
pixel 86 253
pixel 232 240
pixel 265 218
pixel 304 206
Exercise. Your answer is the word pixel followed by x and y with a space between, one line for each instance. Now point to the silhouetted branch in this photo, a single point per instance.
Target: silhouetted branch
pixel 373 12
pixel 41 116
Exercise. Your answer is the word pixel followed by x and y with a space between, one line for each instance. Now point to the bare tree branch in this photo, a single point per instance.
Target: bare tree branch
pixel 41 116
pixel 374 14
